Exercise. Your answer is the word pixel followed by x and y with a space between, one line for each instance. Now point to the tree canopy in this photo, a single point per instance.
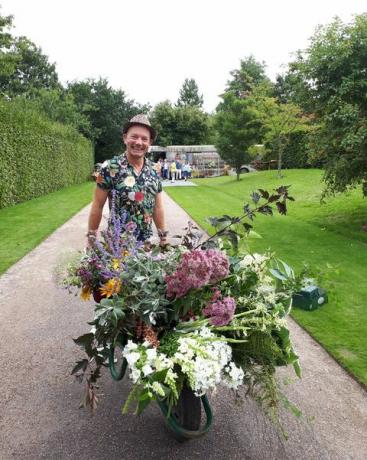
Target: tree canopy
pixel 186 125
pixel 238 126
pixel 251 74
pixel 332 75
pixel 189 94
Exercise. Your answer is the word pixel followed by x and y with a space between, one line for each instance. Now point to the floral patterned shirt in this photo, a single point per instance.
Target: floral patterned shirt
pixel 135 194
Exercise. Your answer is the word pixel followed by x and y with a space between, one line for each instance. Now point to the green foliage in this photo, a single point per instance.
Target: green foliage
pixel 107 110
pixel 324 235
pixel 332 73
pixel 280 121
pixel 189 94
pixel 38 156
pixel 186 125
pixel 250 75
pixel 238 126
pixel 8 59
pixel 296 153
pixel 31 70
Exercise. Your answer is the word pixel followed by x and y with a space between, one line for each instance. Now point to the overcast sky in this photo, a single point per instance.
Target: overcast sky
pixel 148 47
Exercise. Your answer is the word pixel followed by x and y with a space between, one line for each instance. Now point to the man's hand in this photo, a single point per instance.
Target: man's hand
pixel 91 238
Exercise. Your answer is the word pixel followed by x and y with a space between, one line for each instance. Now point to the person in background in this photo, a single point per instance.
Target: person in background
pixel 178 169
pixel 173 171
pixel 185 171
pixel 165 169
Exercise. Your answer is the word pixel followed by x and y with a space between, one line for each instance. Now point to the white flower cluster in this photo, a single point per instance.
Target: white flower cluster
pixel 255 262
pixel 143 360
pixel 204 359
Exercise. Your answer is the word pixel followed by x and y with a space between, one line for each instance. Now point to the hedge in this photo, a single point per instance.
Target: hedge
pixel 38 156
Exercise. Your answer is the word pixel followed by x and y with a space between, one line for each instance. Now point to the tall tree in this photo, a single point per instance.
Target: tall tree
pixel 280 121
pixel 250 74
pixel 8 59
pixel 333 70
pixel 239 127
pixel 30 72
pixel 180 125
pixel 189 94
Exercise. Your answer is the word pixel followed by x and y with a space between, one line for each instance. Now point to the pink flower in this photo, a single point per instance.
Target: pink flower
pixel 196 269
pixel 220 312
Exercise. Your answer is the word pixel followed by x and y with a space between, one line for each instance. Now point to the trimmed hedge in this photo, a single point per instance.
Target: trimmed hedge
pixel 38 156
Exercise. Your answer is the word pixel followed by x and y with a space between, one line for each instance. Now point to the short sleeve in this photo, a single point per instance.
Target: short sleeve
pixel 104 179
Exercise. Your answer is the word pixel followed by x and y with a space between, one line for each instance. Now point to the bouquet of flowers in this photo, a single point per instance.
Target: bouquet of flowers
pixel 199 314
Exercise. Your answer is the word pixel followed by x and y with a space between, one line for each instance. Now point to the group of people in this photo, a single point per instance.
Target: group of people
pixel 173 169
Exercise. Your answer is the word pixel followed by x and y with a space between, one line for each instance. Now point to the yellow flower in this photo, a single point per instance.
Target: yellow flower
pixel 129 181
pixel 86 292
pixel 112 286
pixel 125 253
pixel 115 264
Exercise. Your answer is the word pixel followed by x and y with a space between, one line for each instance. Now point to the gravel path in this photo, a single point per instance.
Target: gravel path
pixel 39 416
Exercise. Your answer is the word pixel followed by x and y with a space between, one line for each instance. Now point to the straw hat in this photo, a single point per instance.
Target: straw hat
pixel 142 120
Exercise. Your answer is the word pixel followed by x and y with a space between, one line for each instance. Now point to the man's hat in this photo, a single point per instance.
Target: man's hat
pixel 142 120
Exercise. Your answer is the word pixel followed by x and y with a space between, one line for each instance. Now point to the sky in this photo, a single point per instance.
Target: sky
pixel 148 47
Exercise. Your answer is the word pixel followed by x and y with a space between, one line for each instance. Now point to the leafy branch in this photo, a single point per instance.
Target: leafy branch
pixel 225 222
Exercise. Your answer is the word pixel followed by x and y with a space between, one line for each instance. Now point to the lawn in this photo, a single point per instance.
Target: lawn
pixel 320 234
pixel 24 226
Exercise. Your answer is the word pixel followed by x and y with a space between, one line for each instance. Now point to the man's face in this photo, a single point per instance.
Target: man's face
pixel 137 141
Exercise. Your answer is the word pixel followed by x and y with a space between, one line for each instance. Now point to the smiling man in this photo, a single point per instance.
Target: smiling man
pixel 138 189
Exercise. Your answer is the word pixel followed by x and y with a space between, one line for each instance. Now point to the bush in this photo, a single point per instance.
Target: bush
pixel 296 154
pixel 38 156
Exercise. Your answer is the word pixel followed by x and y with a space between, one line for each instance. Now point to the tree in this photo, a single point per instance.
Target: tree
pixel 189 94
pixel 57 105
pixel 30 70
pixel 8 58
pixel 333 71
pixel 250 74
pixel 184 125
pixel 107 109
pixel 280 122
pixel 163 118
pixel 239 127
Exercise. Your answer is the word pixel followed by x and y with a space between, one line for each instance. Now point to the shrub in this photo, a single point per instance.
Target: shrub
pixel 38 156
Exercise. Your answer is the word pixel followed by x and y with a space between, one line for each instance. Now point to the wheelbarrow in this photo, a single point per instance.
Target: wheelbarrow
pixel 184 420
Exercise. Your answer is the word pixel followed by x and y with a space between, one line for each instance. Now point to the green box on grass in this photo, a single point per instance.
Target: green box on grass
pixel 310 298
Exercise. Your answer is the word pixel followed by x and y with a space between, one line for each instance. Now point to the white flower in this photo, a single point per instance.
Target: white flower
pixel 151 354
pixel 146 369
pixel 131 196
pixel 135 375
pixel 129 181
pixel 130 346
pixel 132 358
pixel 104 164
pixel 252 260
pixel 234 376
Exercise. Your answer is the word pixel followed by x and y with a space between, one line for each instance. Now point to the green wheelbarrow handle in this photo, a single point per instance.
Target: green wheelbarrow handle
pixel 117 374
pixel 179 429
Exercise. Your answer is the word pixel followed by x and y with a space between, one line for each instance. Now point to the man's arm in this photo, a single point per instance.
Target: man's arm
pixel 158 217
pixel 95 215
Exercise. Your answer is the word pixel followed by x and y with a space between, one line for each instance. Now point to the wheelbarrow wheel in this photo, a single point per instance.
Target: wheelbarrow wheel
pixel 187 412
